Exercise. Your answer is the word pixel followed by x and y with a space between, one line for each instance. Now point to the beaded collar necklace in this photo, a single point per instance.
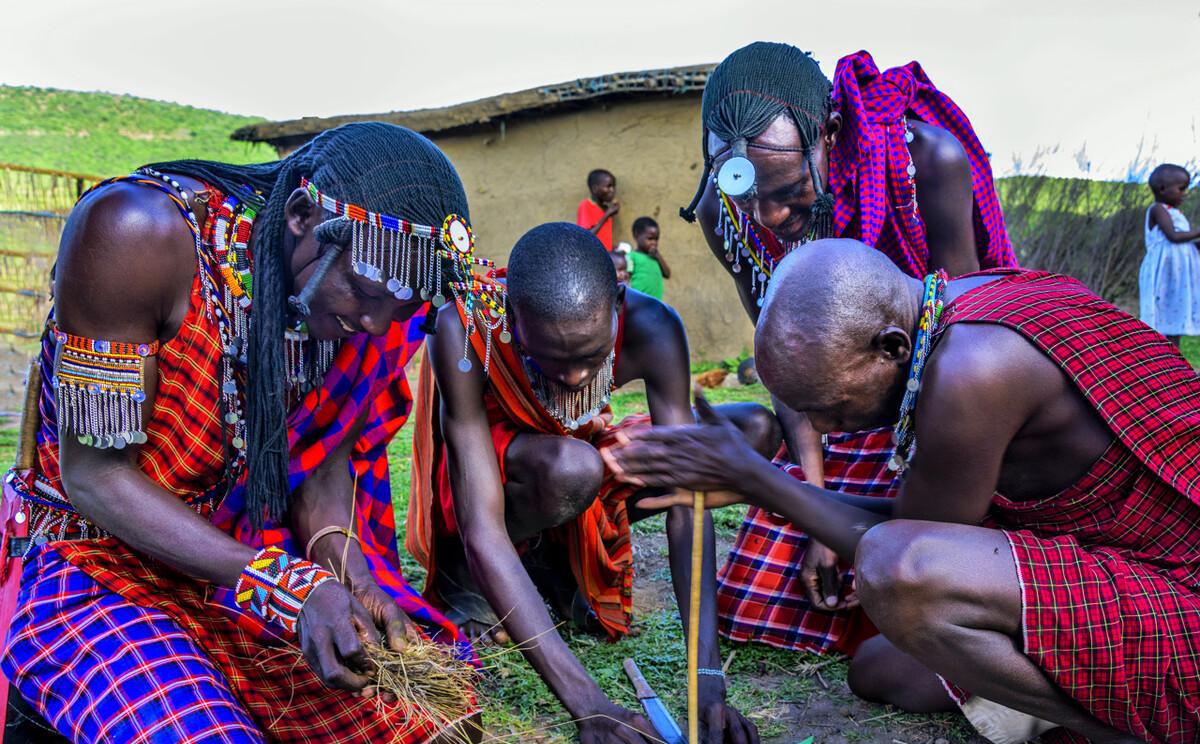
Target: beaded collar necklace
pixel 904 435
pixel 572 408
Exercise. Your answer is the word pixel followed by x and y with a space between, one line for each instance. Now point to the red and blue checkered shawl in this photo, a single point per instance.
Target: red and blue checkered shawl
pixel 1110 567
pixel 185 455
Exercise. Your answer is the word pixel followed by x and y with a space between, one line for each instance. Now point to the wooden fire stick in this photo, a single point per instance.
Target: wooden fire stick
pixel 693 639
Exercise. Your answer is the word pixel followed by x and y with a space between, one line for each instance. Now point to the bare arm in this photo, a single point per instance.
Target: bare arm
pixel 945 199
pixel 1160 217
pixel 479 507
pixel 969 413
pixel 662 263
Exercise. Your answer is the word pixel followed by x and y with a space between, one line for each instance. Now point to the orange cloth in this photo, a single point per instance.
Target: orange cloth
pixel 598 541
pixel 588 214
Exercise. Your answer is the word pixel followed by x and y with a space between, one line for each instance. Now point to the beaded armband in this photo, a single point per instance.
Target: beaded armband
pixel 274 585
pixel 99 387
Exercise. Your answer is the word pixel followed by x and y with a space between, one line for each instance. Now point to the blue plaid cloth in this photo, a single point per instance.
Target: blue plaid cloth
pixel 100 669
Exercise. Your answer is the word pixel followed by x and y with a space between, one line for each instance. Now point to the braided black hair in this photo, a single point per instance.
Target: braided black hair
pixel 381 167
pixel 748 91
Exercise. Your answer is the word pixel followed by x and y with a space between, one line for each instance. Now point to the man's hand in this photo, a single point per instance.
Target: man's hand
pixel 397 629
pixel 613 724
pixel 334 631
pixel 720 722
pixel 822 578
pixel 613 207
pixel 705 457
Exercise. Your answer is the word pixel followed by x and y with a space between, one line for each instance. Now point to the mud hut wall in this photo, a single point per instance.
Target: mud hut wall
pixel 534 170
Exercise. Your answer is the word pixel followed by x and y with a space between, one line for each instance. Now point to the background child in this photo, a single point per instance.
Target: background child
pixel 1169 279
pixel 647 267
pixel 596 212
pixel 621 264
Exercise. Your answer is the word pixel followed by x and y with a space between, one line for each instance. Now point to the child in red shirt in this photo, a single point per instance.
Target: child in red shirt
pixel 596 213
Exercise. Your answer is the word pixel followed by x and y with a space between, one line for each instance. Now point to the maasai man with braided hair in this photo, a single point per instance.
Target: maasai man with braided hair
pixel 1040 564
pixel 509 493
pixel 883 157
pixel 221 373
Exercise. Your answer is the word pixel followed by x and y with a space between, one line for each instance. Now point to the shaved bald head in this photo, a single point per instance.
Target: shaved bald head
pixel 835 334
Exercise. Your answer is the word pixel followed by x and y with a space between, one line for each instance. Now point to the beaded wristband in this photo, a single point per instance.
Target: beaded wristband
pixel 706 672
pixel 274 585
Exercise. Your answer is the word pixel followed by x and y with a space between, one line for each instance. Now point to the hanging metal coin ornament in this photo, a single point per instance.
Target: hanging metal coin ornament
pixel 464 365
pixel 736 177
pixel 505 337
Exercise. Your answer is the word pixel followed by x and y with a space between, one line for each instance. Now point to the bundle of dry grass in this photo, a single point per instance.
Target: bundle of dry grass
pixel 427 682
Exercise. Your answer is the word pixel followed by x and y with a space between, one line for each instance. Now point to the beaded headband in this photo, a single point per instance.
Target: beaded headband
pixel 381 247
pixel 381 250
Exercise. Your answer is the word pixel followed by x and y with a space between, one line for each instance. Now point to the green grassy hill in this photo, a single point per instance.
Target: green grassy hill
pixel 103 134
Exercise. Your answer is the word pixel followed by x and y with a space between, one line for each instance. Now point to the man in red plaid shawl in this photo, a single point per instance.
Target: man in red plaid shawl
pixel 884 157
pixel 1039 565
pixel 211 451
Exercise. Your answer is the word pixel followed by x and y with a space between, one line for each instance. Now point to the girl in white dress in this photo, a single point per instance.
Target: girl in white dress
pixel 1169 279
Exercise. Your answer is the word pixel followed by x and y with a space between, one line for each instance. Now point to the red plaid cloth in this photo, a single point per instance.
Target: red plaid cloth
pixel 1110 568
pixel 759 593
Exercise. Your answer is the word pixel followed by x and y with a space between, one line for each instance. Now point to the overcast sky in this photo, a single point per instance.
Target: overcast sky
pixel 1031 74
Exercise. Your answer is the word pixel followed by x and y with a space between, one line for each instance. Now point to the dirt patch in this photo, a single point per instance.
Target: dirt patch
pixel 799 694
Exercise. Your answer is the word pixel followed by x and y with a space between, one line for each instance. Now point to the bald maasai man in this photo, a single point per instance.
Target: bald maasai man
pixel 518 499
pixel 1041 555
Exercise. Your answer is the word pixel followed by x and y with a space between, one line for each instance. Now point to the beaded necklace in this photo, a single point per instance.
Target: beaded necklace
pixel 904 436
pixel 572 408
pixel 223 250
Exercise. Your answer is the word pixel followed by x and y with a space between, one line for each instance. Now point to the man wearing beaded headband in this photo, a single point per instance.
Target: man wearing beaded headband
pixel 222 373
pixel 1039 565
pixel 509 492
pixel 789 157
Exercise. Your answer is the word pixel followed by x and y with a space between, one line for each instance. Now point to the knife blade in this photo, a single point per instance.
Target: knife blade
pixel 660 717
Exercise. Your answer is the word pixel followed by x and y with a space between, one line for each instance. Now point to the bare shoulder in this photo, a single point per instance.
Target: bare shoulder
pixel 127 256
pixel 650 322
pixel 936 152
pixel 987 369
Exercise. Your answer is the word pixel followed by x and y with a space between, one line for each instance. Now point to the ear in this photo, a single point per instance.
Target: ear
pixel 620 295
pixel 894 345
pixel 300 213
pixel 833 125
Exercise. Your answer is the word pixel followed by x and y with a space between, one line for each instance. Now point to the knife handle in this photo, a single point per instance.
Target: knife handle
pixel 640 687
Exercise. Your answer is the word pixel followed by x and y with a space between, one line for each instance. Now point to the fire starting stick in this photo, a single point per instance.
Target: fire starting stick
pixel 693 639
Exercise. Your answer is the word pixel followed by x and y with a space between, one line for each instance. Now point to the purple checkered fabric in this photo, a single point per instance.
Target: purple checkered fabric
pixel 868 166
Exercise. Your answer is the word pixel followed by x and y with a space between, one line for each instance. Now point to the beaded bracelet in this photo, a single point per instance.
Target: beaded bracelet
pixel 274 585
pixel 707 672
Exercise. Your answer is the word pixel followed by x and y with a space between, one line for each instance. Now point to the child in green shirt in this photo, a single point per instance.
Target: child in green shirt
pixel 647 267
